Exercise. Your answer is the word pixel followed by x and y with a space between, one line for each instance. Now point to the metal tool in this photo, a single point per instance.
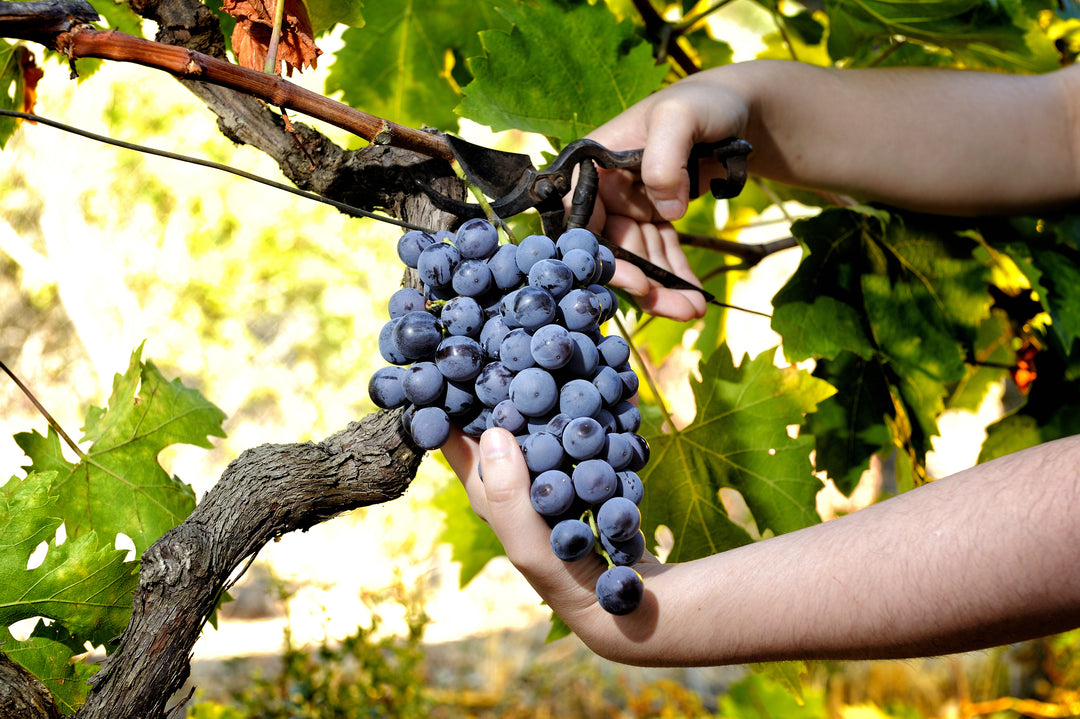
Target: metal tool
pixel 515 185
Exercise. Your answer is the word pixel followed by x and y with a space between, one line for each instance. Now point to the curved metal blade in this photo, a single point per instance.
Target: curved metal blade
pixel 495 172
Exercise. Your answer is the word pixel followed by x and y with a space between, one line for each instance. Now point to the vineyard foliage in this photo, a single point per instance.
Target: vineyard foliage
pixel 890 319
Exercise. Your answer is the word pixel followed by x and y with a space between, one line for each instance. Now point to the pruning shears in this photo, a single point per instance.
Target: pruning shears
pixel 515 185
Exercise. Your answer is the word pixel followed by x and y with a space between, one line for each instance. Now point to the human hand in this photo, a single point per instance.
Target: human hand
pixel 635 210
pixel 502 500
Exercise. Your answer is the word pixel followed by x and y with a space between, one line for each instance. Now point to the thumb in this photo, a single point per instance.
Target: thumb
pixel 506 490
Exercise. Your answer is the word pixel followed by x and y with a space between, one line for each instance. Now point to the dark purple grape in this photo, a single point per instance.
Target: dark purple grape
pixel 504 269
pixel 533 307
pixel 579 310
pixel 462 316
pixel 411 244
pixel 404 301
pixel 579 398
pixel 493 383
pixel 533 391
pixel 552 493
pixel 476 239
pixel 595 481
pixel 388 347
pixel 417 334
pixel 554 276
pixel 506 415
pixel 542 452
pixel 572 540
pixel 618 519
pixel 459 358
pixel 384 387
pixel 437 263
pixel 583 438
pixel 624 553
pixel 423 384
pixel 532 249
pixel 472 278
pixel 430 427
pixel 551 346
pixel 515 350
pixel 620 590
pixel 581 264
pixel 630 485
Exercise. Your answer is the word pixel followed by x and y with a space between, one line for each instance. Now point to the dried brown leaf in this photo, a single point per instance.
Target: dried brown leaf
pixel 254 26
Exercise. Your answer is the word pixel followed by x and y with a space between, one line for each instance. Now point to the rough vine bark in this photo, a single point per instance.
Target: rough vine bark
pixel 269 490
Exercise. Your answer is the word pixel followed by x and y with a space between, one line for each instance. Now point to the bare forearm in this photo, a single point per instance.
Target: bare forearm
pixel 934 140
pixel 983 558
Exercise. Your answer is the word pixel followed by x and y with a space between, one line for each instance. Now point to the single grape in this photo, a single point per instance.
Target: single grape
pixel 627 416
pixel 423 384
pixel 552 275
pixel 542 451
pixel 384 387
pixel 533 307
pixel 533 391
pixel 515 350
pixel 640 448
pixel 491 336
pixel 625 553
pixel 417 334
pixel 506 415
pixel 557 423
pixel 552 493
pixel 614 350
pixel 405 300
pixel 388 347
pixel 459 358
pixel 493 383
pixel 571 540
pixel 472 278
pixel 594 481
pixel 411 244
pixel 579 398
pixel 630 486
pixel 504 268
pixel 586 357
pixel 459 399
pixel 583 437
pixel 630 382
pixel 579 310
pixel 551 346
pixel 608 384
pixel 605 259
pixel 609 301
pixel 462 316
pixel 618 518
pixel 617 451
pixel 582 264
pixel 577 238
pixel 532 249
pixel 620 590
pixel 476 239
pixel 430 427
pixel 437 263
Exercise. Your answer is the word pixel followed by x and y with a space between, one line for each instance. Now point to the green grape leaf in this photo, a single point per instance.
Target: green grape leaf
pixel 120 16
pixel 118 486
pixel 819 310
pixel 993 352
pixel 472 543
pixel 849 427
pixel 558 72
pixel 11 88
pixel 854 24
pixel 83 584
pixel 53 664
pixel 401 64
pixel 739 439
pixel 324 14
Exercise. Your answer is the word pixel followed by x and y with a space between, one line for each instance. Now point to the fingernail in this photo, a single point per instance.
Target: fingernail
pixel 495 445
pixel 669 209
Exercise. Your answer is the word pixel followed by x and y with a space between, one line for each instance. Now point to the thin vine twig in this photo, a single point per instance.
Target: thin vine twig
pixel 346 208
pixel 44 412
pixel 270 65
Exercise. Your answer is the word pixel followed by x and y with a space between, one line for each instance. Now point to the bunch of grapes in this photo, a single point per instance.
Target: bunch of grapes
pixel 507 335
